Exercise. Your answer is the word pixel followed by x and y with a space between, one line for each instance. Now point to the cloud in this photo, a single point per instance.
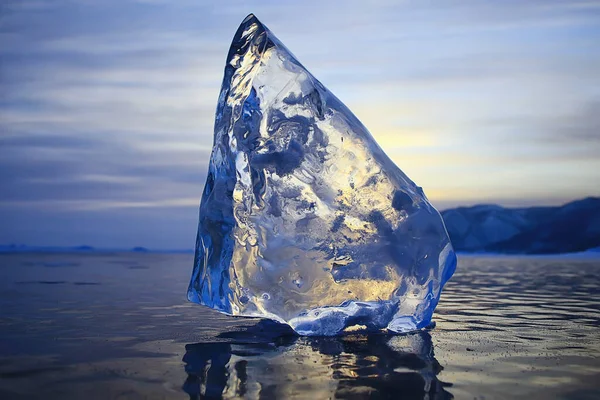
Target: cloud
pixel 108 107
pixel 74 170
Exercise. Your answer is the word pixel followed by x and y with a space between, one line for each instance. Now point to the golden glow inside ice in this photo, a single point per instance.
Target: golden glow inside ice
pixel 306 218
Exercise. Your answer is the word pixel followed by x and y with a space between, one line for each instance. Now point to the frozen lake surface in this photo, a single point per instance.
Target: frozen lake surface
pixel 101 326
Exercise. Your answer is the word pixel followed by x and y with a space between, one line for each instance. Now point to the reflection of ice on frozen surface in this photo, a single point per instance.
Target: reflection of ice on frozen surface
pixel 524 315
pixel 359 366
pixel 304 219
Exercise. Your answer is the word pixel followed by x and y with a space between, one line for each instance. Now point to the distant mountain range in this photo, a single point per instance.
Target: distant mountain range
pixel 573 227
pixel 21 248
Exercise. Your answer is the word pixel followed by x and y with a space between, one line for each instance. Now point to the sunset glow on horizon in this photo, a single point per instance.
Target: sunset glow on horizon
pixel 107 107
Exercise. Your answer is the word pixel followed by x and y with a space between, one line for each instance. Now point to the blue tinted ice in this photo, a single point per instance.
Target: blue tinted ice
pixel 304 219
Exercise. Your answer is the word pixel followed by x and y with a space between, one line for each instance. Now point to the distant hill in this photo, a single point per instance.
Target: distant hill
pixel 22 248
pixel 572 227
pixel 140 249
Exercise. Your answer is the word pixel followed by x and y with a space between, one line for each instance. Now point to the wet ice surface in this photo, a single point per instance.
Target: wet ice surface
pixel 116 326
pixel 304 219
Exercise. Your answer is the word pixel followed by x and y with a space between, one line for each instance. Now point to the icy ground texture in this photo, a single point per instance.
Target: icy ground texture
pixel 304 219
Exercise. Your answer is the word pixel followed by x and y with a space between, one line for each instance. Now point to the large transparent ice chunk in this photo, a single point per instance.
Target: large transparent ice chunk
pixel 304 219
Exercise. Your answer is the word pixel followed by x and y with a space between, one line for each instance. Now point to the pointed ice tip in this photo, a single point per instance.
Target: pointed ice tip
pixel 250 27
pixel 251 20
pixel 249 31
pixel 250 17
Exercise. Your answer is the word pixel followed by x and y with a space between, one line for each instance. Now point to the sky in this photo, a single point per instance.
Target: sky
pixel 107 107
